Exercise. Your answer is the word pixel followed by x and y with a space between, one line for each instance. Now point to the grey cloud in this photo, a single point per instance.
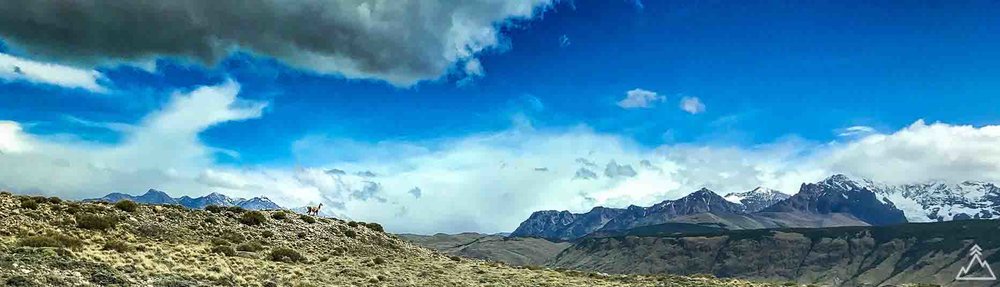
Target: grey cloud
pixel 586 162
pixel 335 171
pixel 402 42
pixel 584 173
pixel 366 174
pixel 543 169
pixel 371 190
pixel 416 192
pixel 613 169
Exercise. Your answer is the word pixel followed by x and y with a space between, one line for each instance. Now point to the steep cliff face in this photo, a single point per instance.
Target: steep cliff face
pixel 839 194
pixel 844 256
pixel 564 225
pixel 700 201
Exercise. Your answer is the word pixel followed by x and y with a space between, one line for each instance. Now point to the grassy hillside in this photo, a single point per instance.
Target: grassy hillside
pixel 50 242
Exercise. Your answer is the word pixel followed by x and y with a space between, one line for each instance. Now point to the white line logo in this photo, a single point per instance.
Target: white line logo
pixel 984 272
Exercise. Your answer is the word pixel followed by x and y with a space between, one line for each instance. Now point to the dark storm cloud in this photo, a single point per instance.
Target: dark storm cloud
pixel 402 42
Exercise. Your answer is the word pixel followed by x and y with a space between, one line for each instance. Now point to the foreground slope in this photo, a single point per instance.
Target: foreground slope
pixel 49 242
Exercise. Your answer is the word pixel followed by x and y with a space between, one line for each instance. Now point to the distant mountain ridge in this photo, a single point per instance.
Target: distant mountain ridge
pixel 564 225
pixel 154 196
pixel 835 201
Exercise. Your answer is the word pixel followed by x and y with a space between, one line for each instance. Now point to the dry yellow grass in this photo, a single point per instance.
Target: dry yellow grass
pixel 172 246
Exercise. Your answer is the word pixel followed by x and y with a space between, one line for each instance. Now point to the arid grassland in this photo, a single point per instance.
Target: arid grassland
pixel 52 242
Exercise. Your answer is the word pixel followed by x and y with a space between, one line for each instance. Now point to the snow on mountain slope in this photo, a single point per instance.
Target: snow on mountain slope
pixel 756 199
pixel 942 201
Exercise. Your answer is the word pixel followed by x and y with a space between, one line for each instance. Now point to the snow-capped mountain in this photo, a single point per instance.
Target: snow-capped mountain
pixel 941 201
pixel 839 194
pixel 757 199
pixel 158 197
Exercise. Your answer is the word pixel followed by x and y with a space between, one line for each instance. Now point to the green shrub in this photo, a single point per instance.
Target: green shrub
pixel 267 234
pixel 233 236
pixel 352 224
pixel 253 218
pixel 211 220
pixel 235 209
pixel 375 226
pixel 55 200
pixel 96 222
pixel 52 240
pixel 455 258
pixel 224 249
pixel 378 260
pixel 126 205
pixel 40 199
pixel 308 219
pixel 118 246
pixel 280 215
pixel 301 235
pixel 214 208
pixel 287 255
pixel 219 242
pixel 29 204
pixel 20 281
pixel 252 246
pixel 350 233
pixel 5 193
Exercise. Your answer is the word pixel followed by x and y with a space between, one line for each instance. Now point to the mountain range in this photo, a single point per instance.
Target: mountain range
pixel 835 201
pixel 158 197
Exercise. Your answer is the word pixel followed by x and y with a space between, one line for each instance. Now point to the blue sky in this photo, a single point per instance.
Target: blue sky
pixel 803 83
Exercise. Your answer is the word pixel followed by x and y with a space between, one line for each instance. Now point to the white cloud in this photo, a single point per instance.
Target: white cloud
pixel 855 131
pixel 692 105
pixel 17 69
pixel 922 151
pixel 564 41
pixel 639 98
pixel 461 180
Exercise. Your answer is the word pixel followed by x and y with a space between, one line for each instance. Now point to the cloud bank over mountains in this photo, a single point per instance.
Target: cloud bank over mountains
pixel 480 182
pixel 401 42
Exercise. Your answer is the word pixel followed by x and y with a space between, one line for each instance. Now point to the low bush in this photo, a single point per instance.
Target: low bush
pixel 224 249
pixel 235 209
pixel 29 204
pixel 280 215
pixel 287 255
pixel 214 208
pixel 350 233
pixel 378 260
pixel 96 222
pixel 233 236
pixel 52 240
pixel 252 246
pixel 126 205
pixel 253 218
pixel 308 219
pixel 118 246
pixel 55 200
pixel 375 226
pixel 267 234
pixel 352 224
